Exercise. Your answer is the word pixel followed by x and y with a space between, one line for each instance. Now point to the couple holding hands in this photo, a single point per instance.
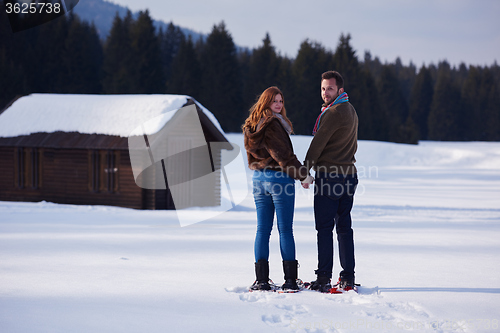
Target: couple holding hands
pixel 331 155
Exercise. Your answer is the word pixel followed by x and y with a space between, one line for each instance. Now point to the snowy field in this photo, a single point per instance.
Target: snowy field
pixel 427 236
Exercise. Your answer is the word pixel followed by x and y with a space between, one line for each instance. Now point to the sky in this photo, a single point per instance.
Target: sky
pixel 420 31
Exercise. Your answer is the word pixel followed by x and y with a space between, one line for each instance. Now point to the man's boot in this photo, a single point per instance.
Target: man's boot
pixel 322 284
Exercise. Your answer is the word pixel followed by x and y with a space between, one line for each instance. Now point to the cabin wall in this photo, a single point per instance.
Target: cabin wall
pixel 82 176
pixel 6 171
pixel 70 176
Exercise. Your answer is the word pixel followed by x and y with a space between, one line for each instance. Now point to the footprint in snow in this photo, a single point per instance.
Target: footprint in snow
pixel 295 309
pixel 237 290
pixel 282 320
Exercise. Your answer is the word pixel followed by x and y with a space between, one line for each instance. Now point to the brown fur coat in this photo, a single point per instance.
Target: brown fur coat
pixel 270 147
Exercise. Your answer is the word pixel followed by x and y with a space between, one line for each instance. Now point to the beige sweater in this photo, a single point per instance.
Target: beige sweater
pixel 336 141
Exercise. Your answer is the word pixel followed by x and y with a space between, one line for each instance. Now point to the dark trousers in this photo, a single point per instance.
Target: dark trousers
pixel 333 200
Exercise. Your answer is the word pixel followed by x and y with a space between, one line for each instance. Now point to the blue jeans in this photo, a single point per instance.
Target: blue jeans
pixel 270 197
pixel 333 200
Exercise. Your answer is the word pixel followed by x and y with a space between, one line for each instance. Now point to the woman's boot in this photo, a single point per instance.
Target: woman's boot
pixel 290 269
pixel 262 276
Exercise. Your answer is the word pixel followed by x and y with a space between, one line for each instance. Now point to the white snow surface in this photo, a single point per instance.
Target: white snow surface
pixel 91 114
pixel 427 227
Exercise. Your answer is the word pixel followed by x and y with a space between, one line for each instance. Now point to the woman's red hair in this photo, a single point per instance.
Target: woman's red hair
pixel 262 108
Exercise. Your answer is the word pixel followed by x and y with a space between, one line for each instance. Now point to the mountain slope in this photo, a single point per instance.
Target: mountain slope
pixel 102 13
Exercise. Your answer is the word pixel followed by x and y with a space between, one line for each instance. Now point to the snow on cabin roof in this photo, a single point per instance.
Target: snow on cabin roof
pixel 90 114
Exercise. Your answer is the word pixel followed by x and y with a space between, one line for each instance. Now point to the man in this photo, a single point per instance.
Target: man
pixel 331 155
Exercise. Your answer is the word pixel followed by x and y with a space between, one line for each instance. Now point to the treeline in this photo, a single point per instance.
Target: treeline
pixel 394 102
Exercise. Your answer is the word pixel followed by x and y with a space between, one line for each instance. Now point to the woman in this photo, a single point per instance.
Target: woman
pixel 270 155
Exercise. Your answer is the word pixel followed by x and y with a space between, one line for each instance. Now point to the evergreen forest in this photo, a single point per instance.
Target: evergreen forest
pixel 394 102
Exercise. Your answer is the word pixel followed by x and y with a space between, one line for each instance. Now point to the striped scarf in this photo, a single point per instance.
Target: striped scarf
pixel 342 98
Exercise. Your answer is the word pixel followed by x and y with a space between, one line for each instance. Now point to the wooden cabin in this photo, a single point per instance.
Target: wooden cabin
pixel 74 149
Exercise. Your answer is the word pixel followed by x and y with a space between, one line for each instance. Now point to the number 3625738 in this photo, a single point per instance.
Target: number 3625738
pixel 33 8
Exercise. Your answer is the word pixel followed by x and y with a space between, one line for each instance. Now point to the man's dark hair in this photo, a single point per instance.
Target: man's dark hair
pixel 333 75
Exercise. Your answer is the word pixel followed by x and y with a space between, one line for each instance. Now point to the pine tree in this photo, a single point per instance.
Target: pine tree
pixel 372 121
pixel 43 58
pixel 406 76
pixel 444 117
pixel 489 99
pixel 474 104
pixel 393 105
pixel 263 68
pixel 244 58
pixel 346 63
pixel 492 106
pixel 285 80
pixel 304 104
pixel 374 66
pixel 359 85
pixel 221 89
pixel 12 76
pixel 460 75
pixel 185 77
pixel 170 44
pixel 118 62
pixel 6 34
pixel 148 72
pixel 82 58
pixel 420 102
pixel 12 82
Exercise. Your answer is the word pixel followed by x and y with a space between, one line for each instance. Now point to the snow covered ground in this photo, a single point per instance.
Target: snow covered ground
pixel 427 235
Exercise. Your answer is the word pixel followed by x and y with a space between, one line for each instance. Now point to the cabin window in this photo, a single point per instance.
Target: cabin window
pixel 35 168
pixel 20 168
pixel 111 171
pixel 103 173
pixel 94 171
pixel 27 168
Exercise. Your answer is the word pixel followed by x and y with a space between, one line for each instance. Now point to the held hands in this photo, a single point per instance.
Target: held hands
pixel 307 182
